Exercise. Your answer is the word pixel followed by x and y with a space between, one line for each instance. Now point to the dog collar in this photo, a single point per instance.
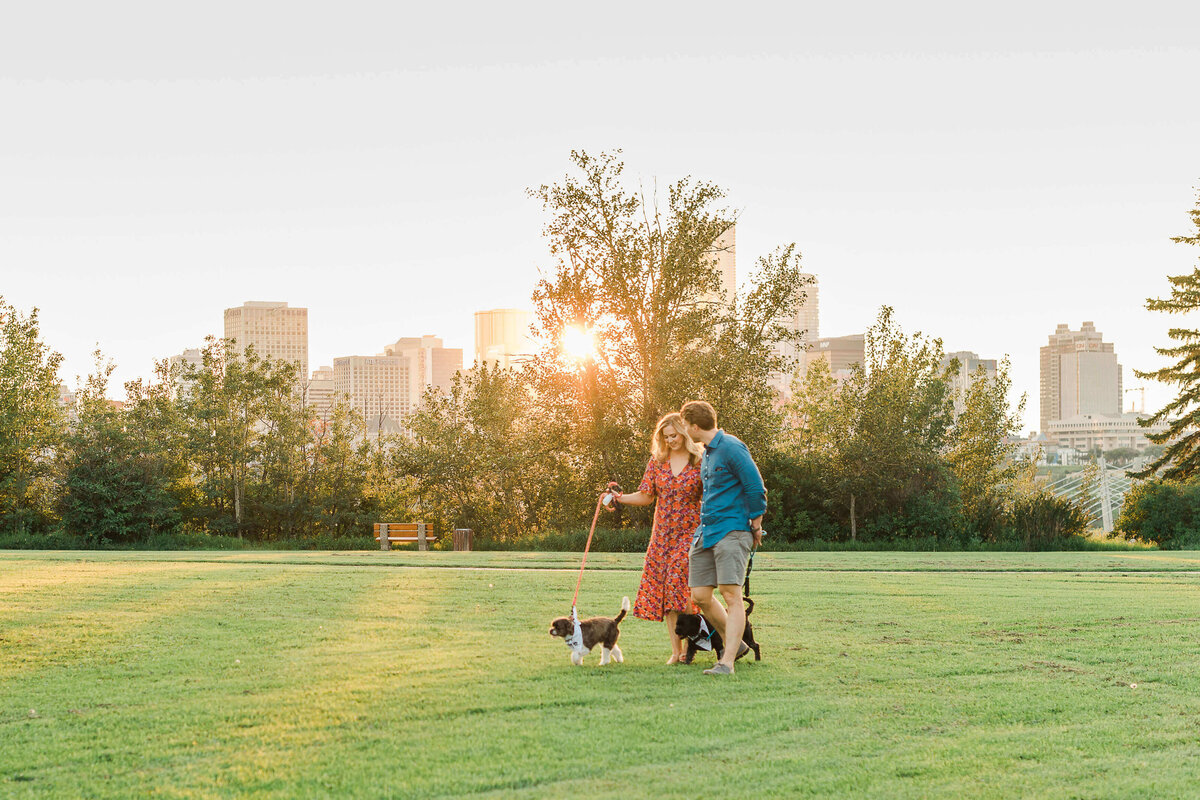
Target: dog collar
pixel 703 639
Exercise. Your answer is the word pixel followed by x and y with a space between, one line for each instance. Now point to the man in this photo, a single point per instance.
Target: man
pixel 731 512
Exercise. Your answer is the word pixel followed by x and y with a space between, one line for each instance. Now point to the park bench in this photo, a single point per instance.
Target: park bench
pixel 388 533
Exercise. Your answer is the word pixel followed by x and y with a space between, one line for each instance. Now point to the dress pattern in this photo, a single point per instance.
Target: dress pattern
pixel 664 584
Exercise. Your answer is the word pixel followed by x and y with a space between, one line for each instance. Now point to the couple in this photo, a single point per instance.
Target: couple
pixel 708 518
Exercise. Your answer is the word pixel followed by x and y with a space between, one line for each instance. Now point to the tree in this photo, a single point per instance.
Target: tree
pixel 980 454
pixel 31 422
pixel 643 278
pixel 481 460
pixel 879 434
pixel 116 487
pixel 1181 458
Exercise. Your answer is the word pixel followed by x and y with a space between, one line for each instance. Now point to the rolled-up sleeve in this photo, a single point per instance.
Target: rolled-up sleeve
pixel 753 487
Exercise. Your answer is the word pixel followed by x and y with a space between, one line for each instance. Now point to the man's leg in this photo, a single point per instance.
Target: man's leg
pixel 709 607
pixel 735 621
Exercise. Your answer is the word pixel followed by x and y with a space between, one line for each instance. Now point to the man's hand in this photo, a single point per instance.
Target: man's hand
pixel 756 531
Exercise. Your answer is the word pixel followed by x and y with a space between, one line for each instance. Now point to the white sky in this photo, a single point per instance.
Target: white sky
pixel 990 173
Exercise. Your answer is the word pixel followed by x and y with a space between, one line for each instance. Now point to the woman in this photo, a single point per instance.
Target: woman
pixel 673 480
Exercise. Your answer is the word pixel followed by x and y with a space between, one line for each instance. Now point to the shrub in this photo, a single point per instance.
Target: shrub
pixel 1166 512
pixel 1043 521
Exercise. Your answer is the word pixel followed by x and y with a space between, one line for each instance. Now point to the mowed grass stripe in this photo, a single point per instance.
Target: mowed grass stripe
pixel 222 690
pixel 49 613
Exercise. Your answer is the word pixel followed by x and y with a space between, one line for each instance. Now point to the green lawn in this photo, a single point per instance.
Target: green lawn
pixel 401 674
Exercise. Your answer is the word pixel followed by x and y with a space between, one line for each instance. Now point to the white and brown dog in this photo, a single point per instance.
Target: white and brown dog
pixel 602 631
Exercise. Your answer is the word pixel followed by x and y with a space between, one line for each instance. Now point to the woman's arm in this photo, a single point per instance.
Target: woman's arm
pixel 634 499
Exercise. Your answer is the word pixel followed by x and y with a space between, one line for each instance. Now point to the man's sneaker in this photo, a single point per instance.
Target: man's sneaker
pixel 745 648
pixel 719 669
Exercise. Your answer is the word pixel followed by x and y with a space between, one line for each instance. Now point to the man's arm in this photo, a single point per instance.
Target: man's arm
pixel 748 475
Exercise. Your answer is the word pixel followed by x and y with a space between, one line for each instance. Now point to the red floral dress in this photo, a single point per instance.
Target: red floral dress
pixel 676 516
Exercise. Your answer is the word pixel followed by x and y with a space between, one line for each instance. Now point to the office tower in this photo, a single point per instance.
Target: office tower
pixel 805 319
pixel 377 386
pixel 840 353
pixel 431 364
pixel 180 365
pixel 319 393
pixel 723 257
pixel 968 369
pixel 502 337
pixel 1079 375
pixel 725 251
pixel 275 330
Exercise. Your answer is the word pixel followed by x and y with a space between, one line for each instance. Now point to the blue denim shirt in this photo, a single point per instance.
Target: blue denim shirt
pixel 733 489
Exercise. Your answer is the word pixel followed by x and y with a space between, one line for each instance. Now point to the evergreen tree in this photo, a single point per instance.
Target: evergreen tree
pixel 1181 458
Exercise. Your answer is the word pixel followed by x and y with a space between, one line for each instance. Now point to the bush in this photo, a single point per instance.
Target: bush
pixel 1165 512
pixel 1044 521
pixel 606 540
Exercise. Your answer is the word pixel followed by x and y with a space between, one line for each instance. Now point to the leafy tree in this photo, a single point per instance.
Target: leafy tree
pixel 234 410
pixel 980 455
pixel 880 433
pixel 481 460
pixel 644 278
pixel 117 485
pixel 1181 459
pixel 1121 455
pixel 1166 512
pixel 339 473
pixel 31 422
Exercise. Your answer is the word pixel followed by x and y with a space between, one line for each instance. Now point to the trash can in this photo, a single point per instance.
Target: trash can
pixel 462 539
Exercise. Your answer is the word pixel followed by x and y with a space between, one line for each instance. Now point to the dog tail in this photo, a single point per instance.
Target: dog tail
pixel 749 605
pixel 624 608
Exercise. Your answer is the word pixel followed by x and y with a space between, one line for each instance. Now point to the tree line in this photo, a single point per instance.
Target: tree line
pixel 875 457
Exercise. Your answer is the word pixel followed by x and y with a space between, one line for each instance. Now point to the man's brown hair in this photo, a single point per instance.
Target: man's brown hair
pixel 699 413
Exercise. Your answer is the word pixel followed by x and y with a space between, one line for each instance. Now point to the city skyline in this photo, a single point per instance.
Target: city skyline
pixel 986 180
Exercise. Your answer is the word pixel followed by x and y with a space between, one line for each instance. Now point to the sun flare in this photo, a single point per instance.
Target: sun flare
pixel 578 343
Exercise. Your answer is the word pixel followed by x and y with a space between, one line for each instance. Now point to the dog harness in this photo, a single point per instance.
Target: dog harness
pixel 703 639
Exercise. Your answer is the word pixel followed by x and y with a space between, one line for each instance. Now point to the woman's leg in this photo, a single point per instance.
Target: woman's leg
pixel 677 649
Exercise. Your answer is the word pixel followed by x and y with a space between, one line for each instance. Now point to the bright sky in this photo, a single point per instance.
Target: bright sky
pixel 990 173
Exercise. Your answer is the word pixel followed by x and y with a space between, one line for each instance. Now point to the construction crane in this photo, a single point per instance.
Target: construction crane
pixel 1141 389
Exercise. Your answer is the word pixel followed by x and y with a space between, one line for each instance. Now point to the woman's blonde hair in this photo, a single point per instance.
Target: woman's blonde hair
pixel 659 450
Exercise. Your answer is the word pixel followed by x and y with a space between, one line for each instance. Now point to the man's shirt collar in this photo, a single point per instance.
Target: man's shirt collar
pixel 716 440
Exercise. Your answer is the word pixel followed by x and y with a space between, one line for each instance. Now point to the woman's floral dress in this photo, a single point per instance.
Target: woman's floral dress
pixel 676 516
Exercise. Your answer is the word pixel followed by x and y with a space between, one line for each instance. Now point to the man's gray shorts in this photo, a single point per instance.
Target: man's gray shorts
pixel 723 564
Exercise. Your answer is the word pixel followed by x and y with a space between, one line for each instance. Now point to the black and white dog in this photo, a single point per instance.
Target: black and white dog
pixel 703 635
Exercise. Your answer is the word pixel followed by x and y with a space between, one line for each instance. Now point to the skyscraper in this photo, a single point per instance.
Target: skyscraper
pixel 725 251
pixel 430 364
pixel 502 337
pixel 968 371
pixel 274 330
pixel 377 386
pixel 840 353
pixel 319 393
pixel 1079 375
pixel 806 320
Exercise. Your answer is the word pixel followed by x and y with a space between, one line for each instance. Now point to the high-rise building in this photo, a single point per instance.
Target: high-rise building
pixel 725 251
pixel 181 364
pixel 840 354
pixel 805 320
pixel 502 337
pixel 431 364
pixel 319 393
pixel 723 257
pixel 968 372
pixel 378 387
pixel 1079 375
pixel 275 330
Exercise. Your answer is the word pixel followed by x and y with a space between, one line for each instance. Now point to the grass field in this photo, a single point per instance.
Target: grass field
pixel 405 675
